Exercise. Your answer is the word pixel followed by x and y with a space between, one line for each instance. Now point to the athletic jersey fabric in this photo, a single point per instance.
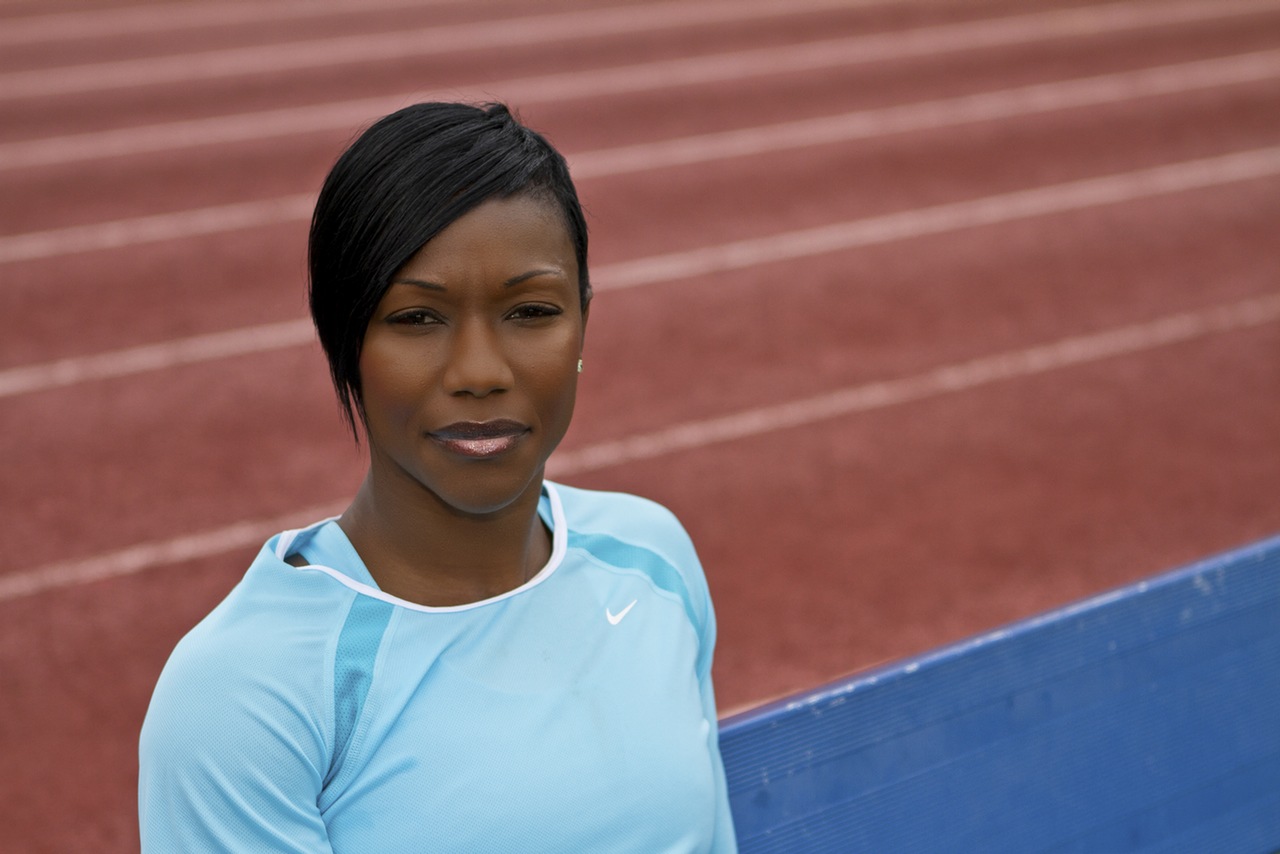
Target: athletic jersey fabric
pixel 312 712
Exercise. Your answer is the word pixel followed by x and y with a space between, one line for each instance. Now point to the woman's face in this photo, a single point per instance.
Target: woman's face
pixel 469 367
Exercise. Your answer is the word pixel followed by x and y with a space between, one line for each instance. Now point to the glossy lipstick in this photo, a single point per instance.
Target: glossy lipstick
pixel 480 439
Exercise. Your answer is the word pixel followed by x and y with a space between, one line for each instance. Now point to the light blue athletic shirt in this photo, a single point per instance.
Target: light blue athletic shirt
pixel 312 712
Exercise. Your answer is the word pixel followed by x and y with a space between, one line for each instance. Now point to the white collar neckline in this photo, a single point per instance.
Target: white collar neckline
pixel 559 545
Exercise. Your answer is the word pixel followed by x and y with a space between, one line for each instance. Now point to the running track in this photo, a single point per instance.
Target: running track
pixel 924 316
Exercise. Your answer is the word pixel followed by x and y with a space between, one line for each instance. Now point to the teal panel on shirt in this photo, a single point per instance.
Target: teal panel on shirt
pixel 353 670
pixel 615 552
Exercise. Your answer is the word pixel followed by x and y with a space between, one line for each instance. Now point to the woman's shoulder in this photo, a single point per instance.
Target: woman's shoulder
pixel 631 518
pixel 631 533
pixel 264 654
pixel 277 618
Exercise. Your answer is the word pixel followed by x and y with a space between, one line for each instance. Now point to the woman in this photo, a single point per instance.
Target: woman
pixel 469 658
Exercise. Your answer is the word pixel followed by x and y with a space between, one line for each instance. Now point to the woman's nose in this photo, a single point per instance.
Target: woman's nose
pixel 477 364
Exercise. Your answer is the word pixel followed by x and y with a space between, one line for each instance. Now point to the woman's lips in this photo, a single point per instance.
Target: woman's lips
pixel 479 439
pixel 479 447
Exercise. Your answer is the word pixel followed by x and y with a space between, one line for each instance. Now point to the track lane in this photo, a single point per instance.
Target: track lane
pixel 292 416
pixel 955 378
pixel 226 268
pixel 87 466
pixel 901 308
pixel 950 523
pixel 343 50
pixel 1033 202
pixel 920 45
pixel 79 47
pixel 131 20
pixel 825 122
pixel 478 66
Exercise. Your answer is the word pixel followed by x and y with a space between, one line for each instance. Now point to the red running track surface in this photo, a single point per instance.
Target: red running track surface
pixel 923 316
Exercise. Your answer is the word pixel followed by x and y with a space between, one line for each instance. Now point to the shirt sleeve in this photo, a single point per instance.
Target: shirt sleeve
pixel 724 841
pixel 229 761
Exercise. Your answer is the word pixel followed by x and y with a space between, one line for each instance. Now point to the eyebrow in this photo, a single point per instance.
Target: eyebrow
pixel 532 274
pixel 419 283
pixel 509 283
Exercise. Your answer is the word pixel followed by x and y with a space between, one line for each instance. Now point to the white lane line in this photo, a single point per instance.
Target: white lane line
pixel 919 222
pixel 962 376
pixel 937 219
pixel 163 553
pixel 153 357
pixel 930 115
pixel 379 47
pixel 155 228
pixel 133 20
pixel 736 66
pixel 825 130
pixel 946 379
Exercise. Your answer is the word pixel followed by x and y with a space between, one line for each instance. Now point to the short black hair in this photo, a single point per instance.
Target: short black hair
pixel 402 182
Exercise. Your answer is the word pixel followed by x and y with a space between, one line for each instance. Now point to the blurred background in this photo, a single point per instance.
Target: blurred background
pixel 923 315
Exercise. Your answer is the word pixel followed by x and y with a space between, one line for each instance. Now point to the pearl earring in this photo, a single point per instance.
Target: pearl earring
pixel 579 366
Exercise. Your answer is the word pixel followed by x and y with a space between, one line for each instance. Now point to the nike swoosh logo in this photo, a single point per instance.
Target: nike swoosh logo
pixel 613 618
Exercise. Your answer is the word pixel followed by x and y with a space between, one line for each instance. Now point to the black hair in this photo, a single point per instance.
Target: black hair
pixel 401 183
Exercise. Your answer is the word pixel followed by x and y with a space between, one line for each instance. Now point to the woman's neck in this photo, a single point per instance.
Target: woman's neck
pixel 420 550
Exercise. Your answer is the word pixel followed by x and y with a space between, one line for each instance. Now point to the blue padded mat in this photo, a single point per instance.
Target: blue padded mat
pixel 1143 720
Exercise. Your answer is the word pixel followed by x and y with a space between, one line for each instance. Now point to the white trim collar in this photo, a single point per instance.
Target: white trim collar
pixel 559 544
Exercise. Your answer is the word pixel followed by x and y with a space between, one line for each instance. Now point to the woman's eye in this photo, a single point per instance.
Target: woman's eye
pixel 533 311
pixel 414 317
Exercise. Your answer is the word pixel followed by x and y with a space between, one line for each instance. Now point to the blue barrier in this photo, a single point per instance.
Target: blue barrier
pixel 1147 719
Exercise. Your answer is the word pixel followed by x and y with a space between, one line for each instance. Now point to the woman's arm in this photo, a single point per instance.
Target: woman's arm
pixel 229 761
